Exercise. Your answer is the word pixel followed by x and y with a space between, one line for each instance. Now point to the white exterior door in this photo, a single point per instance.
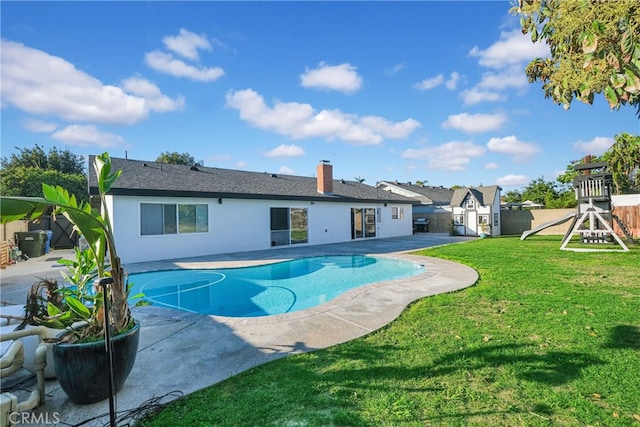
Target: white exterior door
pixel 472 222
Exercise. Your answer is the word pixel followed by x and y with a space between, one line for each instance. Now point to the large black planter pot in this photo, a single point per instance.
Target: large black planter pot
pixel 83 369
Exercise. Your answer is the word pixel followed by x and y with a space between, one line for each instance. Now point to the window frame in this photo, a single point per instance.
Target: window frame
pixel 399 212
pixel 173 223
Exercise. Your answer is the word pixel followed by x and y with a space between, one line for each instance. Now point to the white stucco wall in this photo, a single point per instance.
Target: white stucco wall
pixel 626 200
pixel 237 226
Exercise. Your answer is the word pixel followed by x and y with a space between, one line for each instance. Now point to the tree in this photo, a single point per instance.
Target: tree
pixel 360 179
pixel 513 196
pixel 63 161
pixel 571 173
pixel 595 48
pixel 623 158
pixel 176 158
pixel 23 174
pixel 540 191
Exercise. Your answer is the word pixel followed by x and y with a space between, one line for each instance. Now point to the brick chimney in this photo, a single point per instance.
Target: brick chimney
pixel 325 177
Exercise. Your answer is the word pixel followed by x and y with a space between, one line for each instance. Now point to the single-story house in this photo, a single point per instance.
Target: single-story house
pixel 476 210
pixel 431 198
pixel 431 209
pixel 164 211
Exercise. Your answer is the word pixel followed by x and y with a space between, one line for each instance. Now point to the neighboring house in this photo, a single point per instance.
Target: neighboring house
pixel 431 210
pixel 476 210
pixel 165 211
pixel 431 198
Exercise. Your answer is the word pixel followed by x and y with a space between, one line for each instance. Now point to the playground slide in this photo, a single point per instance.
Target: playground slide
pixel 558 221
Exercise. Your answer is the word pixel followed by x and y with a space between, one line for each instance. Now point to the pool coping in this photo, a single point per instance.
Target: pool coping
pixel 185 352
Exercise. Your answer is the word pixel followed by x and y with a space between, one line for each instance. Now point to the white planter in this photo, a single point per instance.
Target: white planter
pixel 30 344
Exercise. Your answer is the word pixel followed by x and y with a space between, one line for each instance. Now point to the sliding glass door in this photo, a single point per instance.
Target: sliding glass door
pixel 289 226
pixel 363 223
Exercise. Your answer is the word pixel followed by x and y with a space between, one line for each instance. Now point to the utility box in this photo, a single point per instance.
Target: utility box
pixel 32 243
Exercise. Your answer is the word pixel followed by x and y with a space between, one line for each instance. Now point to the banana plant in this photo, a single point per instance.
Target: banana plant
pixel 95 227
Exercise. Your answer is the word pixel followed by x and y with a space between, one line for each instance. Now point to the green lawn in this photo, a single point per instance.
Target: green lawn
pixel 545 338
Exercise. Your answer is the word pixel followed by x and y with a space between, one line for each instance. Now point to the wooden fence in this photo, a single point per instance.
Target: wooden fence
pixel 630 217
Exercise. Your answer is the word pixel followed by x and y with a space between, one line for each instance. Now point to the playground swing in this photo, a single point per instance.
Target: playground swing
pixel 593 219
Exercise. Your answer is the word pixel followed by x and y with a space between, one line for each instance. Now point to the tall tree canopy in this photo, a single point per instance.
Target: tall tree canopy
pixel 23 174
pixel 176 158
pixel 62 161
pixel 595 48
pixel 623 158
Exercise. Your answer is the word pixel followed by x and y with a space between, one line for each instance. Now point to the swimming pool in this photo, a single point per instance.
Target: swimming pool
pixel 270 289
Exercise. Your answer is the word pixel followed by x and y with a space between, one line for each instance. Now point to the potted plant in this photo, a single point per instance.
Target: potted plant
pixel 49 305
pixel 83 365
pixel 485 230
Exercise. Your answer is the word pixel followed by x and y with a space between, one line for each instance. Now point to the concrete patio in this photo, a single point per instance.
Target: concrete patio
pixel 184 352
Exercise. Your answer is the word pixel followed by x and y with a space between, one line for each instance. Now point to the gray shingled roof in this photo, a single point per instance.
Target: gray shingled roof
pixel 142 178
pixel 484 195
pixel 426 193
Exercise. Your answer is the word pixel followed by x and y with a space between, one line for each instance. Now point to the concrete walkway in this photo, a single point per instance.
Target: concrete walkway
pixel 185 352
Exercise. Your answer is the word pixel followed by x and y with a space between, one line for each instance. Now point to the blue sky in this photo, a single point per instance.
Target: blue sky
pixel 432 91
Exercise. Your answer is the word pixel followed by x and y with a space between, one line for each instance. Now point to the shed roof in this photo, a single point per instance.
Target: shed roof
pixel 143 178
pixel 484 195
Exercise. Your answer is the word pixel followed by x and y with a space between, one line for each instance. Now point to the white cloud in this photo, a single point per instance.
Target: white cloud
pixel 389 129
pixel 474 123
pixel 286 151
pixel 597 146
pixel 342 78
pixel 452 83
pixel 186 44
pixel 512 146
pixel 512 48
pixel 438 80
pixel 508 54
pixel 474 96
pixel 152 94
pixel 34 125
pixel 285 170
pixel 430 83
pixel 166 63
pixel 241 164
pixel 490 86
pixel 299 121
pixel 452 156
pixel 491 166
pixel 396 68
pixel 39 83
pixel 88 136
pixel 510 77
pixel 512 181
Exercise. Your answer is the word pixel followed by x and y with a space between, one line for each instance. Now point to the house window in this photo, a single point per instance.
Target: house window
pixel 171 218
pixel 193 219
pixel 483 219
pixel 397 212
pixel 471 204
pixel 458 219
pixel 289 226
pixel 495 219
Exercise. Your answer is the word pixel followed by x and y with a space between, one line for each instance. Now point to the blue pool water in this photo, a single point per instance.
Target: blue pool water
pixel 265 290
